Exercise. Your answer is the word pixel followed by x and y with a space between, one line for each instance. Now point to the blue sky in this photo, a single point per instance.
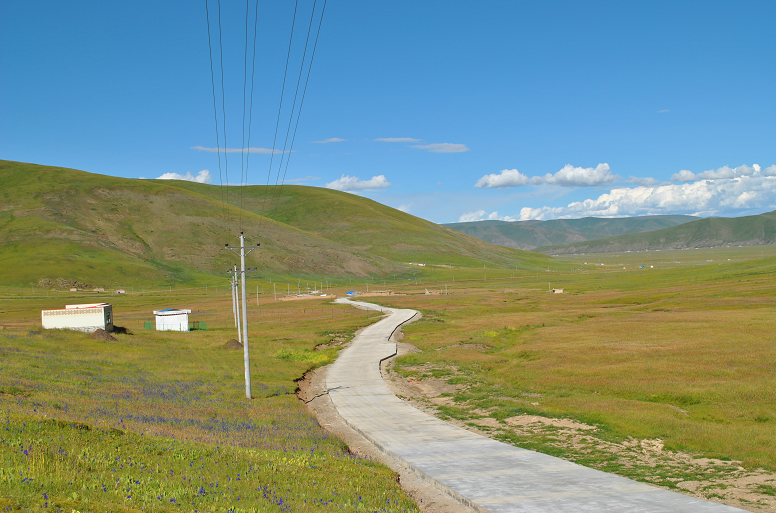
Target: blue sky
pixel 510 110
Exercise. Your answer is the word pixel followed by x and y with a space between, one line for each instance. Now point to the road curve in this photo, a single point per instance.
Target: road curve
pixel 482 473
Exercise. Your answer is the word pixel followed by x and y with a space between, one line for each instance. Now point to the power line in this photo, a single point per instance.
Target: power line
pixel 277 122
pixel 245 87
pixel 301 104
pixel 223 113
pixel 296 95
pixel 299 112
pixel 253 73
pixel 215 109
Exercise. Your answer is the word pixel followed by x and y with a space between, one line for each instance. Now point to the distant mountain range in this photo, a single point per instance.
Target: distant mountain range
pixel 703 233
pixel 529 235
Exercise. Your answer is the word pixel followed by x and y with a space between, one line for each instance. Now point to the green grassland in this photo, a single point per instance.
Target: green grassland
pixel 158 421
pixel 115 232
pixel 682 352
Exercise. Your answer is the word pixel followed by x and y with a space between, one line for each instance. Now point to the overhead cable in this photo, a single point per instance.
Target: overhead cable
pixel 215 109
pixel 223 113
pixel 277 121
pixel 299 112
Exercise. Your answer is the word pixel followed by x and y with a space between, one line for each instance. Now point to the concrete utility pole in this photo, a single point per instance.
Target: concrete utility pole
pixel 246 354
pixel 234 298
pixel 236 303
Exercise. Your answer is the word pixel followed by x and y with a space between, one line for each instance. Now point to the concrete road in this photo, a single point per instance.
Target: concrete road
pixel 480 472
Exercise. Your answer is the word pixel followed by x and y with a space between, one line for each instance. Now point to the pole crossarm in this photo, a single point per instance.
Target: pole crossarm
pixel 254 270
pixel 237 248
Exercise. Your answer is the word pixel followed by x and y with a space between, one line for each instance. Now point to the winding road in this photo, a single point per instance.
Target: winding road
pixel 482 473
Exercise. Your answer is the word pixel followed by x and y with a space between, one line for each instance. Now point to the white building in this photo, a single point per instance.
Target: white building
pixel 172 319
pixel 88 318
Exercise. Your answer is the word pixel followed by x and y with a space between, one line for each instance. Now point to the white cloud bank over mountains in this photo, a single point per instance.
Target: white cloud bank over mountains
pixel 723 191
pixel 569 176
pixel 723 172
pixel 353 183
pixel 201 177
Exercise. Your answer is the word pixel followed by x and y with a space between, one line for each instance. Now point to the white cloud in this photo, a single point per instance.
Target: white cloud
pixel 506 178
pixel 569 176
pixel 330 140
pixel 265 151
pixel 481 215
pixel 442 147
pixel 704 198
pixel 472 216
pixel 353 183
pixel 202 177
pixel 397 139
pixel 405 207
pixel 723 172
pixel 638 180
pixel 748 190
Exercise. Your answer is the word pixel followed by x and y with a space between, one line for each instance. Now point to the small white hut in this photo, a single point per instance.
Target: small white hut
pixel 89 317
pixel 172 319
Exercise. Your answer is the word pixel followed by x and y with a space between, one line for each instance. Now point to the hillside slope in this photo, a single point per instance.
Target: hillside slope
pixel 102 230
pixel 703 233
pixel 529 235
pixel 365 225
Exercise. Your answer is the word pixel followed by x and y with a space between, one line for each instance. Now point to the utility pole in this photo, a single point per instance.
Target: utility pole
pixel 246 354
pixel 234 298
pixel 275 290
pixel 236 303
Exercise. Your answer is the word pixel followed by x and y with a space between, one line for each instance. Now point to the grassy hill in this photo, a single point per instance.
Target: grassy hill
pixel 529 235
pixel 703 233
pixel 107 231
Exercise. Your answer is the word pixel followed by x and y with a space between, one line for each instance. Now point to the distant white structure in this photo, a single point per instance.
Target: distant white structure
pixel 557 291
pixel 172 319
pixel 88 318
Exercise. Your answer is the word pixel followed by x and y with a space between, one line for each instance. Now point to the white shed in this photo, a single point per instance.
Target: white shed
pixel 89 317
pixel 172 319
